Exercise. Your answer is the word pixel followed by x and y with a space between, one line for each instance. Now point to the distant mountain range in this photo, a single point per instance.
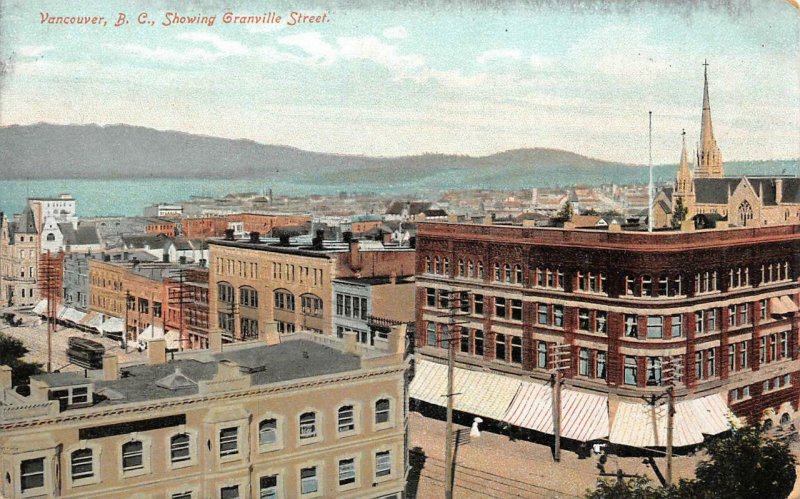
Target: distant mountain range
pixel 46 151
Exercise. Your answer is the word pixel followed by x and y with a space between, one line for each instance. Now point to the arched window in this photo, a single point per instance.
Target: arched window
pixel 518 274
pixel 132 455
pixel 284 300
pixel 382 411
pixel 507 272
pixel 268 431
pixel 345 420
pixel 471 266
pixel 428 267
pixel 446 270
pixel 248 297
pixel 312 305
pixel 461 268
pixel 437 266
pixel 179 448
pixel 225 292
pixel 82 464
pixel 745 212
pixel 497 275
pixel 480 270
pixel 308 425
pixel 52 237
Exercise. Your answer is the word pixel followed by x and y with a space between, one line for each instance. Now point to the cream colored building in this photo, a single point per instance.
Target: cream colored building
pixel 304 417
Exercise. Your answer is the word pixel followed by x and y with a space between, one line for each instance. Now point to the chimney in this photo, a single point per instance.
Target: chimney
pixel 5 377
pixel 397 339
pixel 350 342
pixel 255 237
pixel 316 242
pixel 393 278
pixel 269 335
pixel 229 234
pixel 156 351
pixel 354 252
pixel 110 367
pixel 215 341
pixel 412 242
pixel 778 190
pixel 386 237
pixel 284 239
pixel 347 236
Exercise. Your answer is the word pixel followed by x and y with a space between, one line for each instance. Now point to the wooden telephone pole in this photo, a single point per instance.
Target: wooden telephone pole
pixel 456 304
pixel 560 360
pixel 50 287
pixel 673 374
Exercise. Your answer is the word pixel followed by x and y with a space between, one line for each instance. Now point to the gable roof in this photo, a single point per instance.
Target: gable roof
pixel 26 223
pixel 84 234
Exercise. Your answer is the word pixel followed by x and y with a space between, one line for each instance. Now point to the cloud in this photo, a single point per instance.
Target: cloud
pixel 162 54
pixel 33 51
pixel 224 47
pixel 539 61
pixel 499 55
pixel 395 33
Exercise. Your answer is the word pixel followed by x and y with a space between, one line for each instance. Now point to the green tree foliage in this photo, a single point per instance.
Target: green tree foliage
pixel 566 212
pixel 11 352
pixel 678 214
pixel 743 465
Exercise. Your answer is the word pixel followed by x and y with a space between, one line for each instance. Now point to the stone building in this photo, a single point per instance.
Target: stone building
pixel 19 260
pixel 306 417
pixel 615 309
pixel 255 282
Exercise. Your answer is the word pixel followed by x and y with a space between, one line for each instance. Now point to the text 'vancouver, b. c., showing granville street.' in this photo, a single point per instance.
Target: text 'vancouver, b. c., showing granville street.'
pixel 294 18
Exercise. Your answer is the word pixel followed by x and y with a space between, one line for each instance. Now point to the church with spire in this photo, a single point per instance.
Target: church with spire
pixel 704 197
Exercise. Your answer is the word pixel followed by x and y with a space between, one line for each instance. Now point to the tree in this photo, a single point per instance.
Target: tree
pixel 678 214
pixel 746 465
pixel 11 352
pixel 636 488
pixel 566 212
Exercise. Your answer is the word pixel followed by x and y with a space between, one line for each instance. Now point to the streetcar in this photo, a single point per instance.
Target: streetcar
pixel 85 353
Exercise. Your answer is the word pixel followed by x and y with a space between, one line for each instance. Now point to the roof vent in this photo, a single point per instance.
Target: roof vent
pixel 175 380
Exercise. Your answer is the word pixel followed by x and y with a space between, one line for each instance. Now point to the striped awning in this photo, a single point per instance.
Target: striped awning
pixel 645 425
pixel 584 416
pixel 479 393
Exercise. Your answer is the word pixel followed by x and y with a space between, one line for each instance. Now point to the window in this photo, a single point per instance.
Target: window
pixel 477 304
pixel 541 355
pixel 383 463
pixel 308 425
pixel 631 374
pixel 248 297
pixel 516 350
pixel 677 326
pixel 229 441
pixel 428 266
pixel 268 487
pixel 655 326
pixel 647 286
pixel 225 292
pixel 663 286
pixel 478 342
pixel 82 464
pixel 431 337
pixel 497 274
pixel 471 268
pixel 132 456
pixel 480 270
pixel 31 474
pixel 601 321
pixel 500 347
pixel 601 365
pixel 762 350
pixel 518 274
pixel 507 272
pixel 346 420
pixel 558 315
pixel 698 365
pixel 231 492
pixel 653 371
pixel 430 300
pixel 347 471
pixel 744 314
pixel 464 341
pixel 436 265
pixel 543 314
pixel 249 328
pixel 628 285
pixel 732 357
pixel 583 362
pixel 382 411
pixel 446 266
pixel 312 305
pixel 745 391
pixel 500 307
pixel 516 310
pixel 308 480
pixel 631 326
pixel 784 350
pixel 461 268
pixel 743 346
pixel 268 431
pixel 179 448
pixel 284 300
pixel 182 495
pixel 764 306
pixel 583 319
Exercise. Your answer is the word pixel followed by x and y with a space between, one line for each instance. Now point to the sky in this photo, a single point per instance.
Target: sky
pixel 392 80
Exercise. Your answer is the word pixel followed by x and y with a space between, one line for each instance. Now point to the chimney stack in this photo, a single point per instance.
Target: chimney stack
pixel 778 190
pixel 255 237
pixel 229 234
pixel 110 367
pixel 156 351
pixel 5 377
pixel 284 239
pixel 347 236
pixel 350 342
pixel 215 341
pixel 354 253
pixel 269 335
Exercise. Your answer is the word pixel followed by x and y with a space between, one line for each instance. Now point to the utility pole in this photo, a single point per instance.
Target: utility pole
pixel 650 187
pixel 673 373
pixel 125 326
pixel 455 314
pixel 560 358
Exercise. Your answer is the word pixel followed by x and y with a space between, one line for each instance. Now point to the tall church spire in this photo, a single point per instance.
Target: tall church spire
pixel 709 159
pixel 685 180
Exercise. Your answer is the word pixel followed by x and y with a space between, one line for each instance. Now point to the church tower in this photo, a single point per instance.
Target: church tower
pixel 709 159
pixel 684 182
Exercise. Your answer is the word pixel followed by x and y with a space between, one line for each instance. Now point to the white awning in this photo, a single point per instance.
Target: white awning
pixel 645 425
pixel 173 338
pixel 478 393
pixel 112 325
pixel 93 320
pixel 40 308
pixel 61 311
pixel 584 416
pixel 150 333
pixel 72 315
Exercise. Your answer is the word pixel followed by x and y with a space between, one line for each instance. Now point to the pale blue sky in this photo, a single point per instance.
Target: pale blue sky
pixel 402 81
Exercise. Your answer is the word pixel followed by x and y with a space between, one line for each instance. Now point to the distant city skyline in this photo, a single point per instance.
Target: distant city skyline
pixel 394 81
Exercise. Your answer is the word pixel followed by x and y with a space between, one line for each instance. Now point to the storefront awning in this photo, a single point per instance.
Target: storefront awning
pixel 92 320
pixel 644 425
pixel 112 325
pixel 40 308
pixel 584 416
pixel 72 315
pixel 482 394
